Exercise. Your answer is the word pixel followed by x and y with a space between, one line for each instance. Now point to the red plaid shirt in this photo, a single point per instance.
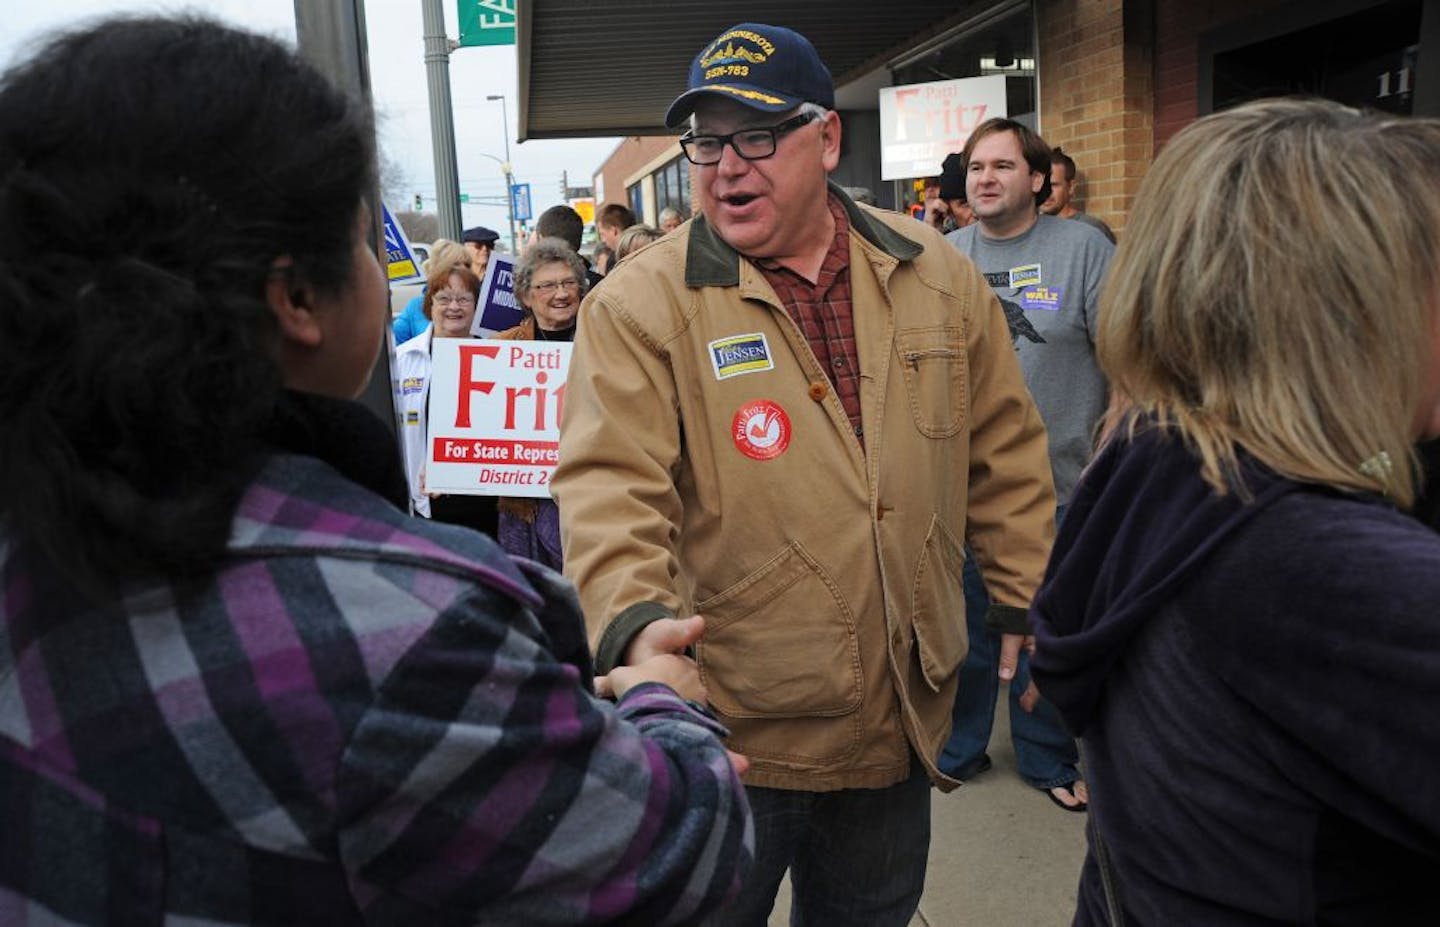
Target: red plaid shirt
pixel 825 313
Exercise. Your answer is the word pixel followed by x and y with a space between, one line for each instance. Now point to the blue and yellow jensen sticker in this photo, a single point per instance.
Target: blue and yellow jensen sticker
pixel 1028 275
pixel 740 354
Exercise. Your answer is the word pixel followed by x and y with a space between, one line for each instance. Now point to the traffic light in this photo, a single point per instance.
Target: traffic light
pixel 419 203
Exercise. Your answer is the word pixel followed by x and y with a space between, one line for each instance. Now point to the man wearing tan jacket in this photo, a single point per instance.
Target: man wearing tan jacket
pixel 788 417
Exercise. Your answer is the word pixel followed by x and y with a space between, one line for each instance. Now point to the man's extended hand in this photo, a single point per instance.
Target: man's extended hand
pixel 662 638
pixel 668 635
pixel 1010 647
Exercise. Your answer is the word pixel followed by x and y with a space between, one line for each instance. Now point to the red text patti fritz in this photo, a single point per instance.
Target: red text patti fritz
pixel 495 411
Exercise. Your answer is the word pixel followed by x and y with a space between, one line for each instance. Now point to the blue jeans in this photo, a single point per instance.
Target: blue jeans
pixel 856 857
pixel 1044 750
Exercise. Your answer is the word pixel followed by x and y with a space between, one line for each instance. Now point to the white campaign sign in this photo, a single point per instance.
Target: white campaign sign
pixel 495 416
pixel 922 123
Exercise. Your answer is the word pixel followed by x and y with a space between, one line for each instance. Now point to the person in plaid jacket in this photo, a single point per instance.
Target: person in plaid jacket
pixel 237 684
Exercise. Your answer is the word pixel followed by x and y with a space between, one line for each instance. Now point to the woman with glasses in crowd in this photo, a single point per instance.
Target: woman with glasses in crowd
pixel 451 295
pixel 238 684
pixel 412 320
pixel 549 284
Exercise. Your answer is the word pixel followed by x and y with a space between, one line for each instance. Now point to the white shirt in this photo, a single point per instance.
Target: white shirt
pixel 412 389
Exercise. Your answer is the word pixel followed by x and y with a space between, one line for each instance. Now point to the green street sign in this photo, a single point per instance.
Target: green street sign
pixel 486 22
pixel 464 197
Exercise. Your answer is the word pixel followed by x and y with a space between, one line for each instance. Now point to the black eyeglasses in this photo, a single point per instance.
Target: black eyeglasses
pixel 750 144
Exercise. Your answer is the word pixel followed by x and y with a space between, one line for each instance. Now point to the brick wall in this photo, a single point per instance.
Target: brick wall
pixel 632 154
pixel 1178 25
pixel 1097 96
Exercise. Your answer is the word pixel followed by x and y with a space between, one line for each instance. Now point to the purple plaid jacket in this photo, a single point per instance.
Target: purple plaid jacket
pixel 359 719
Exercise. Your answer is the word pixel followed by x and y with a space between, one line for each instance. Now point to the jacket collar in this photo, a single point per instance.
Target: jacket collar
pixel 709 261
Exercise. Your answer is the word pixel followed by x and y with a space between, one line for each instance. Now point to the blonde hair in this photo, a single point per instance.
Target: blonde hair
pixel 634 238
pixel 445 253
pixel 1276 290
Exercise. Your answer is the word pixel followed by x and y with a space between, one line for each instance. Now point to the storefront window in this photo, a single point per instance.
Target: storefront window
pixel 672 187
pixel 1001 46
pixel 636 194
pixel 1364 59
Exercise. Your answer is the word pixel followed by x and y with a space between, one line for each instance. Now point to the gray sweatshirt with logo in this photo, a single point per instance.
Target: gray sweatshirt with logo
pixel 1048 280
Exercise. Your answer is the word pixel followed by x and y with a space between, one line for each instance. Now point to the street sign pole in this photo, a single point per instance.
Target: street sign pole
pixel 442 119
pixel 509 178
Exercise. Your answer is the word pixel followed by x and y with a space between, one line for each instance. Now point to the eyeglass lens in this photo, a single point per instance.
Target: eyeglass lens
pixel 750 144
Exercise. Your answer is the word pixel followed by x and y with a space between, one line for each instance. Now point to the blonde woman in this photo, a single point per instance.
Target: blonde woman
pixel 634 238
pixel 412 320
pixel 1239 618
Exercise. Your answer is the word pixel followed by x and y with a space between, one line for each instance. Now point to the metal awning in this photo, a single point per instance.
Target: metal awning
pixel 591 68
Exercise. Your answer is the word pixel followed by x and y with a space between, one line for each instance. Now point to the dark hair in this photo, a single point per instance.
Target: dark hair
pixel 563 223
pixel 1059 157
pixel 1032 146
pixel 151 171
pixel 603 250
pixel 615 216
pixel 440 278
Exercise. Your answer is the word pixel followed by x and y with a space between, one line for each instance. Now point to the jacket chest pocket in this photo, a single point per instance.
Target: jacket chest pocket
pixel 934 366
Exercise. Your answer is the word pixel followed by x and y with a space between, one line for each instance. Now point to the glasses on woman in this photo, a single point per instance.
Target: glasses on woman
pixel 750 144
pixel 454 299
pixel 548 288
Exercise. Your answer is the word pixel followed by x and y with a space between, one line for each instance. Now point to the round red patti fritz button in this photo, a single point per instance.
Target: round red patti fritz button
pixel 761 430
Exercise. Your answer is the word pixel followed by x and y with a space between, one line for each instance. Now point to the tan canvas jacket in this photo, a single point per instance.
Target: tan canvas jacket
pixel 707 466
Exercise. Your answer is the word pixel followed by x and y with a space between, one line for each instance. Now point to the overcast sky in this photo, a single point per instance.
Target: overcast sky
pixel 398 72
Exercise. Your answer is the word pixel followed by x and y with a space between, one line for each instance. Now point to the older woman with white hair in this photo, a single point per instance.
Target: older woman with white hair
pixel 549 284
pixel 1239 619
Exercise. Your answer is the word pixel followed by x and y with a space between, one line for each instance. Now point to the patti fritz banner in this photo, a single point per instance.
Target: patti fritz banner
pixel 922 123
pixel 495 416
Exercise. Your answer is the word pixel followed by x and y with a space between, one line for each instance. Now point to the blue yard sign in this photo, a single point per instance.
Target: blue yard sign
pixel 520 201
pixel 401 265
pixel 498 309
pixel 487 22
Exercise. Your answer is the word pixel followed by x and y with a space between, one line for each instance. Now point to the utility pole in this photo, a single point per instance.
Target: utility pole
pixel 331 36
pixel 509 177
pixel 442 118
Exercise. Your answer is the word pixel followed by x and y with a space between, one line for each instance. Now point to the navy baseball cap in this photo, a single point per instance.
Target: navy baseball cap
pixel 769 68
pixel 481 235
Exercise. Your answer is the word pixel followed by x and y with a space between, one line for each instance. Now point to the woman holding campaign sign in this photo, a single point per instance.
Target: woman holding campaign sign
pixel 549 283
pixel 451 296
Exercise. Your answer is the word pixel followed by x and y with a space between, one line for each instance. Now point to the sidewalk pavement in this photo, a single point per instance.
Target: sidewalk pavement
pixel 1001 855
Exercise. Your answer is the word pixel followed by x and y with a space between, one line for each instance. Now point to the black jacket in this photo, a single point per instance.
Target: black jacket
pixel 1256 684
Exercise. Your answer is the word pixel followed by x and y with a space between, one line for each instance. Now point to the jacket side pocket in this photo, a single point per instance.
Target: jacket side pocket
pixel 937 605
pixel 781 643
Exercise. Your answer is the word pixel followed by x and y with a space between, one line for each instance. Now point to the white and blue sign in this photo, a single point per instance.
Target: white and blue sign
pixel 520 201
pixel 498 309
pixel 401 265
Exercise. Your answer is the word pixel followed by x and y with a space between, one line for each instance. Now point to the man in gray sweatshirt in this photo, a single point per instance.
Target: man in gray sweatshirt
pixel 1047 274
